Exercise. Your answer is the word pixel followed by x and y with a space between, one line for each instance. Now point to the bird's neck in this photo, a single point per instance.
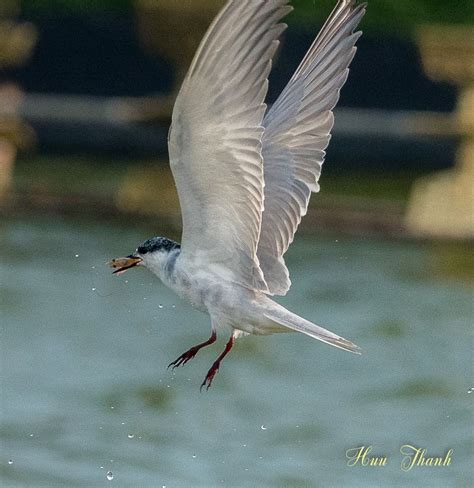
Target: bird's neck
pixel 163 265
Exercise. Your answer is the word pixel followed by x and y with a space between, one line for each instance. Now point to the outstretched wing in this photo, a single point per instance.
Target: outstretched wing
pixel 297 132
pixel 215 140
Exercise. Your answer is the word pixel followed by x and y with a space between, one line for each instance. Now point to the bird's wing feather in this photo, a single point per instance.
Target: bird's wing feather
pixel 215 142
pixel 297 132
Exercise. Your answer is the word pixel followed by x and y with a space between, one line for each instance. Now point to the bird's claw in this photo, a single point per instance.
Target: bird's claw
pixel 209 377
pixel 184 358
pixel 190 353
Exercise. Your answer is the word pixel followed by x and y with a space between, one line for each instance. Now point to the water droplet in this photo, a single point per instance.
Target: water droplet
pixel 110 475
pixel 263 427
pixel 131 436
pixel 160 306
pixel 470 390
pixel 76 255
pixel 10 462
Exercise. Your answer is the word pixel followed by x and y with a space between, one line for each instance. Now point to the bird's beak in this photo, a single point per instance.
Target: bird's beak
pixel 122 264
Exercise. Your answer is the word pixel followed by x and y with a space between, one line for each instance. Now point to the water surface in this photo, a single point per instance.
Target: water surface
pixel 85 390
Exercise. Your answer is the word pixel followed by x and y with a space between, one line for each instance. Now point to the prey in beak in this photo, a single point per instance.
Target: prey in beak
pixel 122 264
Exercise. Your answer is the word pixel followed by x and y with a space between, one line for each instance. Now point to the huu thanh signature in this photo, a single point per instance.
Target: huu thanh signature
pixel 411 457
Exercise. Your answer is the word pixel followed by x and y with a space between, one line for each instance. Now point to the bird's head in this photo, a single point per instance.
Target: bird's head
pixel 152 254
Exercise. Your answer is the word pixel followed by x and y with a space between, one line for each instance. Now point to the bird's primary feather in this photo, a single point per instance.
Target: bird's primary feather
pixel 297 132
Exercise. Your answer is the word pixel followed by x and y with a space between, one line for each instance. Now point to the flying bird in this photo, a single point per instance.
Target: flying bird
pixel 245 172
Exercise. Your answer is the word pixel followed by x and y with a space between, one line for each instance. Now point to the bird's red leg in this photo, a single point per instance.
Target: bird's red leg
pixel 185 357
pixel 215 367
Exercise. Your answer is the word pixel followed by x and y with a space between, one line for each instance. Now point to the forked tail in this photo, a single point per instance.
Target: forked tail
pixel 281 316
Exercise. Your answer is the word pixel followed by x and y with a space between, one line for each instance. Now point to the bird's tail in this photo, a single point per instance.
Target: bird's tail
pixel 279 315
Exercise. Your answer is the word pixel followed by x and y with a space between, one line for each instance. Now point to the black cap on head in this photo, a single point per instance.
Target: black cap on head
pixel 157 244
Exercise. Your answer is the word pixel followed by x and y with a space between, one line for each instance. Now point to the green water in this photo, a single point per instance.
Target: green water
pixel 85 389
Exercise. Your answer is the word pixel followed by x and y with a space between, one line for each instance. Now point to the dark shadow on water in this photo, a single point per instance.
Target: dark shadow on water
pixel 414 390
pixel 390 329
pixel 156 397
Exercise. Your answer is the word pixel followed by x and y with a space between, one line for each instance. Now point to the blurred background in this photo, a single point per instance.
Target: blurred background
pixel 384 257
